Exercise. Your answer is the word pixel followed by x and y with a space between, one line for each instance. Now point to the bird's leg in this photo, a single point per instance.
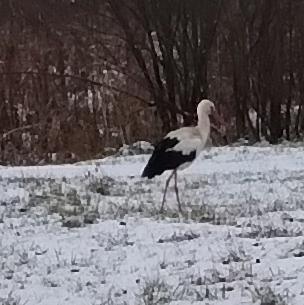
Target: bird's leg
pixel 165 192
pixel 176 191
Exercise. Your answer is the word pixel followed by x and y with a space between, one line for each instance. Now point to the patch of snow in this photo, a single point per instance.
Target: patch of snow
pixel 137 148
pixel 242 232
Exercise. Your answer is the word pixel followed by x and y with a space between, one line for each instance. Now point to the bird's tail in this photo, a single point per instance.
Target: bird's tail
pixel 150 171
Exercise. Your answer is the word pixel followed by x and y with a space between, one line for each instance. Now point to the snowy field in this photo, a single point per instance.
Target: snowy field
pixel 91 234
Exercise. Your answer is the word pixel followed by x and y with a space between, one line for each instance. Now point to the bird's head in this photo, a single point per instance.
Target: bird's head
pixel 206 107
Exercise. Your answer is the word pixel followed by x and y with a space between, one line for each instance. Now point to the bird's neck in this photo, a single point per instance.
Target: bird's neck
pixel 204 126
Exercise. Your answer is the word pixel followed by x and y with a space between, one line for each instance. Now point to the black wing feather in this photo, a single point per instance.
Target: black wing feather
pixel 162 160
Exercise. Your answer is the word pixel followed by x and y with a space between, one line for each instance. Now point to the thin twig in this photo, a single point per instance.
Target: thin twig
pixel 6 134
pixel 76 77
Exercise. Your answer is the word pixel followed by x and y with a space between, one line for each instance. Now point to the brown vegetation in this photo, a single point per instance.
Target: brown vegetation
pixel 79 76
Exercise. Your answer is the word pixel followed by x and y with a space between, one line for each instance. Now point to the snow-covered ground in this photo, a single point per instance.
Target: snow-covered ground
pixel 91 233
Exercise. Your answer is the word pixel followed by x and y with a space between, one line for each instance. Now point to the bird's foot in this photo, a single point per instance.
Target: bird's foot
pixel 182 216
pixel 180 210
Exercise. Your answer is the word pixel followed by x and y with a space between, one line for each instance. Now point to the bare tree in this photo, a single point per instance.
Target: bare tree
pixel 172 50
pixel 77 77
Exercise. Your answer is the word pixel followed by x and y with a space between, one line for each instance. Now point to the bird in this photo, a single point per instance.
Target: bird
pixel 179 148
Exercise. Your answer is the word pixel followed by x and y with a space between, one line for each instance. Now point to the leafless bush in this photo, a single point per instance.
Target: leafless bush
pixel 79 79
pixel 154 292
pixel 267 296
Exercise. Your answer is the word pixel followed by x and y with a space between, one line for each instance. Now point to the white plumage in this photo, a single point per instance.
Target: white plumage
pixel 180 147
pixel 189 138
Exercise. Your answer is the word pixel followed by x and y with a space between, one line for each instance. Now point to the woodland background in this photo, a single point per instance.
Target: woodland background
pixel 78 78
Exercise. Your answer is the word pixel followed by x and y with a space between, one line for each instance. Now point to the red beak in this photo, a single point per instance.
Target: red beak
pixel 218 119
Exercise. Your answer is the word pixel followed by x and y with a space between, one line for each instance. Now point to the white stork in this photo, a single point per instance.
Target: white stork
pixel 180 147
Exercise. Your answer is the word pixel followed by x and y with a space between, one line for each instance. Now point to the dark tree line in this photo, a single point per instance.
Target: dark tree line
pixel 78 77
pixel 173 52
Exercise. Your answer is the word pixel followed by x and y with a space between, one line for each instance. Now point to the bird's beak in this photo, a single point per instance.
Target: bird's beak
pixel 215 115
pixel 218 120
